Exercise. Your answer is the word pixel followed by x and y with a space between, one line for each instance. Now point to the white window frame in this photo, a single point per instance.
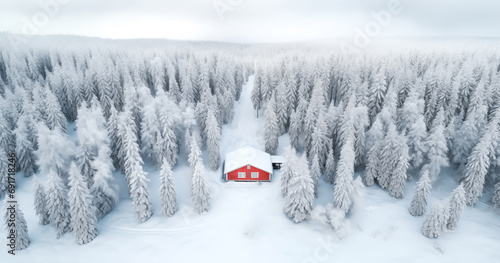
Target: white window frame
pixel 242 175
pixel 248 167
pixel 254 175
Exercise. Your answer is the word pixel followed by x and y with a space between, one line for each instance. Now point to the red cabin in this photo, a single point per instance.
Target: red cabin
pixel 248 164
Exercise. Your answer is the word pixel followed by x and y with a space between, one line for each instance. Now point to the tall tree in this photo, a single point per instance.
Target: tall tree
pixel 104 189
pixel 343 187
pixel 457 204
pixel 422 190
pixel 57 204
pixel 271 127
pixel 435 222
pixel 82 211
pixel 40 201
pixel 213 134
pixel 300 193
pixel 167 190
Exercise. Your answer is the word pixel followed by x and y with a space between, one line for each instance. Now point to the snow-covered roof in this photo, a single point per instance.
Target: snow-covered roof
pixel 248 155
pixel 277 159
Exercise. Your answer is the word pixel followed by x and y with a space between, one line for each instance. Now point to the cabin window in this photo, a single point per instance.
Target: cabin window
pixel 255 175
pixel 248 167
pixel 241 175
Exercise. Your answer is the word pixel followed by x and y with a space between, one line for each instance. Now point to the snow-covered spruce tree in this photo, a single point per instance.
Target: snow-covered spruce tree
pixel 478 163
pixel 457 204
pixel 416 136
pixel 394 163
pixel 113 134
pixel 82 211
pixel 213 134
pixel 40 201
pixel 24 148
pixel 375 134
pixel 320 142
pixel 377 90
pixel 495 199
pixel 7 140
pixel 436 220
pixel 57 204
pixel 104 189
pixel 422 190
pixel 437 149
pixel 200 192
pixel 288 169
pixel 300 194
pixel 54 118
pixel 271 126
pixel 167 143
pixel 295 128
pixel 361 121
pixel 330 167
pixel 343 188
pixel 55 150
pixel 316 105
pixel 167 190
pixel 136 177
pixel 84 158
pixel 20 228
pixel 315 173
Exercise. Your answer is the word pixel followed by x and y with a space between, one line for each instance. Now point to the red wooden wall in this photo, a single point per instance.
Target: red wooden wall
pixel 263 176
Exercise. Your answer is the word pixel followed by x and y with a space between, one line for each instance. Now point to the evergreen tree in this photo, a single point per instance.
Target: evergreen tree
pixel 19 228
pixel 7 140
pixel 213 139
pixel 82 211
pixel 315 173
pixel 200 192
pixel 288 169
pixel 343 188
pixel 136 177
pixel 361 122
pixel 457 204
pixel 320 142
pixel 54 118
pixel 422 190
pixel 4 168
pixel 330 167
pixel 295 128
pixel 378 89
pixel 436 220
pixel 437 150
pixel 300 194
pixel 271 127
pixel 167 190
pixel 24 148
pixel 104 189
pixel 113 134
pixel 40 201
pixel 57 204
pixel 416 137
pixel 495 199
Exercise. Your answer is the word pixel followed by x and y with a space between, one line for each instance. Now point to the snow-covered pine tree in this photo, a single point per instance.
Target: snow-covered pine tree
pixel 167 190
pixel 288 169
pixel 200 192
pixel 300 194
pixel 7 140
pixel 257 90
pixel 495 199
pixel 361 121
pixel 479 162
pixel 295 128
pixel 213 134
pixel 422 190
pixel 20 228
pixel 330 167
pixel 394 163
pixel 436 220
pixel 40 201
pixel 24 147
pixel 416 136
pixel 104 189
pixel 82 211
pixel 114 137
pixel 437 149
pixel 271 126
pixel 57 204
pixel 136 177
pixel 315 173
pixel 343 188
pixel 54 118
pixel 377 90
pixel 457 205
pixel 320 142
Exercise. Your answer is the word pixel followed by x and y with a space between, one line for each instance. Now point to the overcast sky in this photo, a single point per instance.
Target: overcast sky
pixel 250 20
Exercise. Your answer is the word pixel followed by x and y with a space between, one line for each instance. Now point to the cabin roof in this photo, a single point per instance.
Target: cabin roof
pixel 248 155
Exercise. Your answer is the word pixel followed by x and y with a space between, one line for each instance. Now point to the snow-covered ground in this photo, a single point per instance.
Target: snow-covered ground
pixel 246 222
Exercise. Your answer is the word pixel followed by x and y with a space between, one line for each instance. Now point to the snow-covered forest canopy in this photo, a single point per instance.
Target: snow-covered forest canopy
pixel 84 116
